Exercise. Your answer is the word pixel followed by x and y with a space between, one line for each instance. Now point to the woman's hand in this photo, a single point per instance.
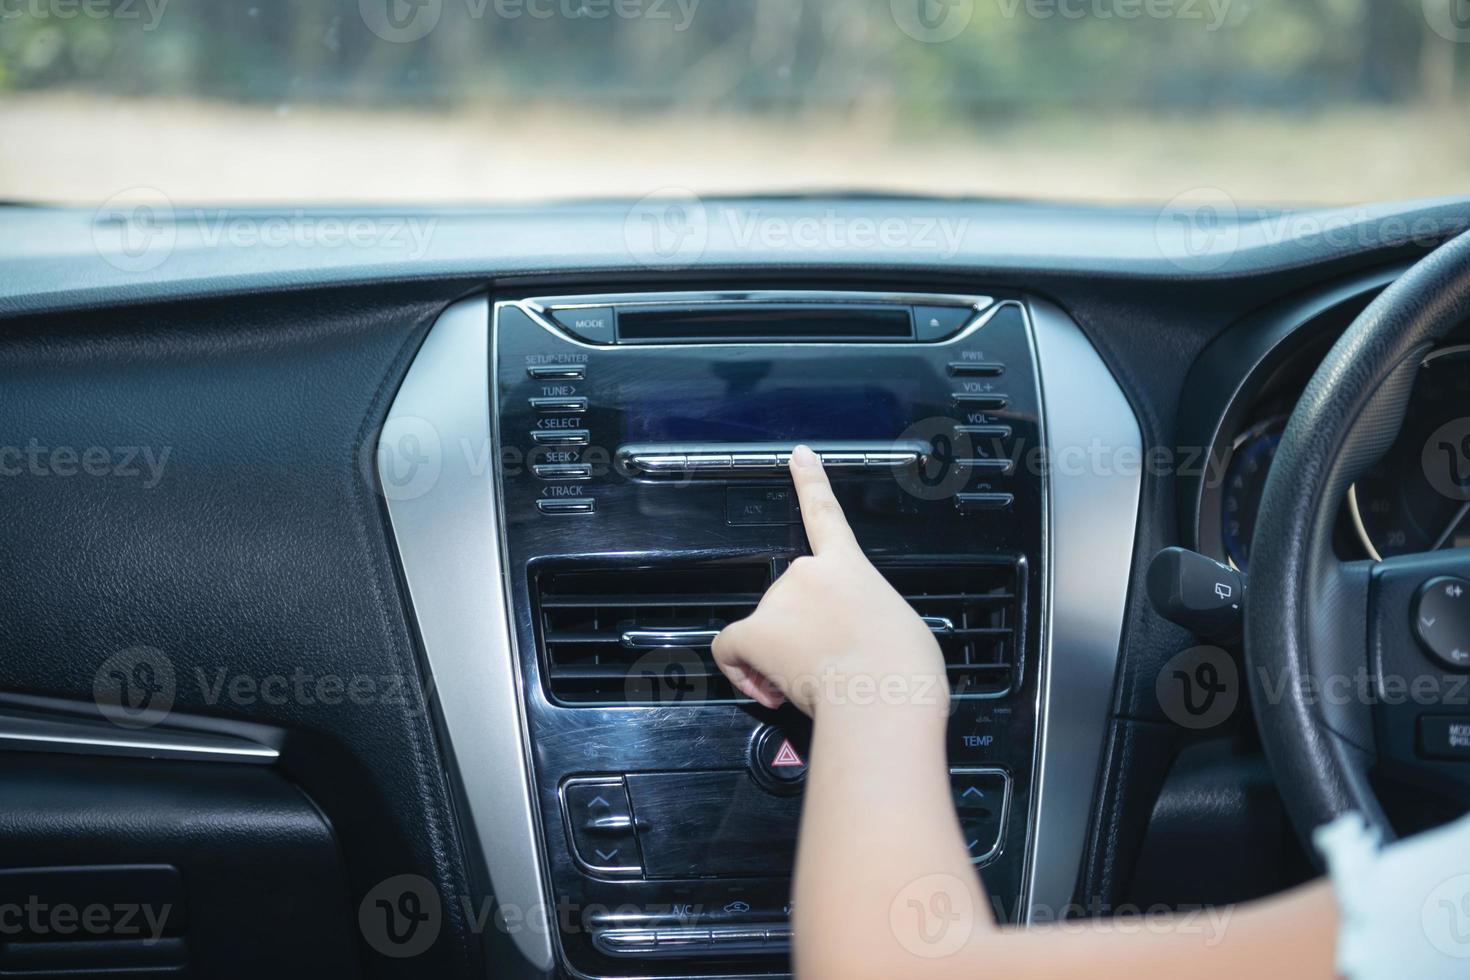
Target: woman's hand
pixel 831 629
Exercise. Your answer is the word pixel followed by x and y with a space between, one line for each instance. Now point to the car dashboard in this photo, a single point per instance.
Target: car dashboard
pixel 523 479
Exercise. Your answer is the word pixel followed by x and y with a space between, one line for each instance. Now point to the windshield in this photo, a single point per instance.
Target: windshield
pixel 349 101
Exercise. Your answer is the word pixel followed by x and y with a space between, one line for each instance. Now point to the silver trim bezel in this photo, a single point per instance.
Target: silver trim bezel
pixel 1092 519
pixel 449 544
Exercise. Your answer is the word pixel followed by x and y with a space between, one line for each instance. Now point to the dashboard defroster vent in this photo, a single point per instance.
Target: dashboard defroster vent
pixel 642 635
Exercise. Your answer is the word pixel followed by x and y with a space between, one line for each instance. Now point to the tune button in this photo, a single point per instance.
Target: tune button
pixel 1442 620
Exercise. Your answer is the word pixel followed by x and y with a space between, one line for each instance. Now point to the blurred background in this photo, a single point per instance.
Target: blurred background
pixel 1296 101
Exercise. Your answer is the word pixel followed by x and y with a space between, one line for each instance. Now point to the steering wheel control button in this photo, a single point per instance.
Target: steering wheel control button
pixel 778 761
pixel 981 797
pixel 560 405
pixel 600 826
pixel 561 506
pixel 595 324
pixel 1445 737
pixel 1442 620
pixel 1202 595
pixel 938 322
pixel 974 503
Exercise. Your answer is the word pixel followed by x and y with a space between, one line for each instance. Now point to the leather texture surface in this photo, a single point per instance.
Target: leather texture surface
pixel 1307 617
pixel 264 887
pixel 254 555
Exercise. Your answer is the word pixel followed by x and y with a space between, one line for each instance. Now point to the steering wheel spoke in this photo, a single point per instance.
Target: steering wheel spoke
pixel 1419 635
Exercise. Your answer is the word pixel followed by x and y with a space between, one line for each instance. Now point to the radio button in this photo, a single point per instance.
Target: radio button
pixel 753 461
pixel 558 372
pixel 984 431
pixel 707 461
pixel 985 403
pixel 976 369
pixel 560 437
pixel 559 406
pixel 997 467
pixel 938 322
pixel 887 460
pixel 658 464
pixel 844 460
pixel 567 505
pixel 970 503
pixel 563 471
pixel 595 324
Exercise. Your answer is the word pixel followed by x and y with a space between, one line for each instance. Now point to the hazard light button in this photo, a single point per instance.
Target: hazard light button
pixel 779 758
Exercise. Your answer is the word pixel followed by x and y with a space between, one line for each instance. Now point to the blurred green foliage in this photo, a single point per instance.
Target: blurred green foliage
pixel 784 57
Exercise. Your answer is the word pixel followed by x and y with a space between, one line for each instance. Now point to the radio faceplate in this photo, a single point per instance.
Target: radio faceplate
pixel 968 408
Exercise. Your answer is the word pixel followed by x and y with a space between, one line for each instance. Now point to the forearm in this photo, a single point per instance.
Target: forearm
pixel 882 864
pixel 884 885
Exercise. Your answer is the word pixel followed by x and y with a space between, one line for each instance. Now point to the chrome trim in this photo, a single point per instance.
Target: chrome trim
pixel 448 540
pixel 665 639
pixel 545 304
pixel 32 732
pixel 982 860
pixel 1092 518
pixel 538 310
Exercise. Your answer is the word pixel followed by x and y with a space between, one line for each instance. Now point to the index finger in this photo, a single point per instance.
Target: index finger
pixel 826 527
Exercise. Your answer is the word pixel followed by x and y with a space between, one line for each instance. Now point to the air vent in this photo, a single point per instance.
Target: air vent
pixel 641 635
pixel 973 611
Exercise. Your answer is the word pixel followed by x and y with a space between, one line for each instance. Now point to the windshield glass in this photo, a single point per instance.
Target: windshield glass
pixel 327 101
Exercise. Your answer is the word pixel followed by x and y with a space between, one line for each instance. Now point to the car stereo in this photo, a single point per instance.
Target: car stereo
pixel 642 442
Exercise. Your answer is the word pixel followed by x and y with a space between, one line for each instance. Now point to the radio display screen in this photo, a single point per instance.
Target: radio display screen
pixel 710 412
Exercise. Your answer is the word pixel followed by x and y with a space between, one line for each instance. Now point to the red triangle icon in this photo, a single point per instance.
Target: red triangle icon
pixel 786 757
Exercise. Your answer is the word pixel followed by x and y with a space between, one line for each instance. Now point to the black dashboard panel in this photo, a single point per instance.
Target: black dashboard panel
pixel 695 791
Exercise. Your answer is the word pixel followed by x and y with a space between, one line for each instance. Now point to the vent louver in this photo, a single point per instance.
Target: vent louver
pixel 641 635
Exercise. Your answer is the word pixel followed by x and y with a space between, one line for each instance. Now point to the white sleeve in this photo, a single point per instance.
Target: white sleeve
pixel 1403 910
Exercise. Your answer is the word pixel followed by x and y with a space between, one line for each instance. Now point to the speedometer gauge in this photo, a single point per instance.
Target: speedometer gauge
pixel 1245 480
pixel 1417 498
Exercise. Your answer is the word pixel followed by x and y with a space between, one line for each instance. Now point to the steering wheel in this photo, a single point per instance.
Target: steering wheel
pixel 1354 667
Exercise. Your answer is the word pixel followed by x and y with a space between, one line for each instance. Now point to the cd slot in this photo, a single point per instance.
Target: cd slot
pixel 723 461
pixel 756 322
